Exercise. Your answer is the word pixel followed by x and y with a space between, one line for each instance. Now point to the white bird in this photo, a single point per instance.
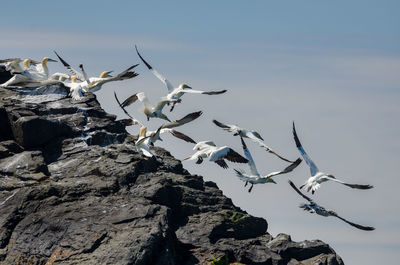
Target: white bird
pixel 255 177
pixel 32 77
pixel 13 65
pixel 148 138
pixel 312 207
pixel 318 177
pixel 97 84
pixel 93 84
pixel 252 135
pixel 215 154
pixel 75 88
pixel 133 120
pixel 143 142
pixel 176 93
pixel 148 109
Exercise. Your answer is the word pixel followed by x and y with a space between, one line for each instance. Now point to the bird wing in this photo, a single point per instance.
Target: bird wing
pixel 202 92
pixel 70 69
pixel 169 86
pixel 182 136
pixel 366 228
pixel 228 154
pixel 203 144
pixel 142 97
pixel 310 163
pixel 299 192
pixel 286 170
pixel 130 100
pixel 251 163
pixel 85 76
pixel 223 126
pixel 126 74
pixel 188 118
pixel 354 186
pixel 221 163
pixel 263 145
pixel 135 121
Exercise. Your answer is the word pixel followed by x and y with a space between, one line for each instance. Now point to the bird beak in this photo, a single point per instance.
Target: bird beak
pixel 51 60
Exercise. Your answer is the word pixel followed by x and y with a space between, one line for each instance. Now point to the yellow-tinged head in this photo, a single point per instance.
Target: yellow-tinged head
pixel 183 86
pixel 105 74
pixel 73 79
pixel 27 63
pixel 271 180
pixel 45 60
pixel 256 134
pixel 142 131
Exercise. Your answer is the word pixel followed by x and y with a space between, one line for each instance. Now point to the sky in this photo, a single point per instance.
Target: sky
pixel 330 66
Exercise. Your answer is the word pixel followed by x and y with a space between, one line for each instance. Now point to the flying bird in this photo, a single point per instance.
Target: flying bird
pixel 252 135
pixel 149 110
pixel 134 121
pixel 207 149
pixel 255 177
pixel 312 207
pixel 318 177
pixel 176 93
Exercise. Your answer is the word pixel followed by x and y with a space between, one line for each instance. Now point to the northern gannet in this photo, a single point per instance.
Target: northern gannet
pixel 255 177
pixel 75 88
pixel 96 85
pixel 81 75
pixel 31 77
pixel 176 93
pixel 148 109
pixel 93 84
pixel 318 177
pixel 134 121
pixel 215 154
pixel 312 207
pixel 148 138
pixel 253 135
pixel 13 65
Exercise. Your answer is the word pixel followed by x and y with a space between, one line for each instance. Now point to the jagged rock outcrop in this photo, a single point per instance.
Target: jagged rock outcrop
pixel 74 190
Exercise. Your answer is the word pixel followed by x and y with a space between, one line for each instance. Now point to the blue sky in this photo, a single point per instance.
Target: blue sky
pixel 332 66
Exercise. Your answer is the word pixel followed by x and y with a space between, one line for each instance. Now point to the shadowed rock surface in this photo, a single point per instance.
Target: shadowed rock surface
pixel 74 190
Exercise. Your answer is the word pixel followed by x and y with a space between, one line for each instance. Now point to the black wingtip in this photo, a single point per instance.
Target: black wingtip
pixel 296 138
pixel 243 143
pixel 143 60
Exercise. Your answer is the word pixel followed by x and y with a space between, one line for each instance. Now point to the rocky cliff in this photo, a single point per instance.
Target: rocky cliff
pixel 74 190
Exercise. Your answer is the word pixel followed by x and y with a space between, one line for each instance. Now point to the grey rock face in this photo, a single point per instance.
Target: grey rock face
pixel 74 190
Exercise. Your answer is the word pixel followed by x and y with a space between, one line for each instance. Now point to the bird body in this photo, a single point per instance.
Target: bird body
pixel 174 94
pixel 251 134
pixel 313 207
pixel 317 176
pixel 207 149
pixel 149 110
pixel 255 177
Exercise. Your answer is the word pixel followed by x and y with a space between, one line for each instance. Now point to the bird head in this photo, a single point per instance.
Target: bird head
pixel 331 176
pixel 73 79
pixel 105 74
pixel 331 212
pixel 27 63
pixel 271 180
pixel 163 116
pixel 256 134
pixel 47 59
pixel 184 86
